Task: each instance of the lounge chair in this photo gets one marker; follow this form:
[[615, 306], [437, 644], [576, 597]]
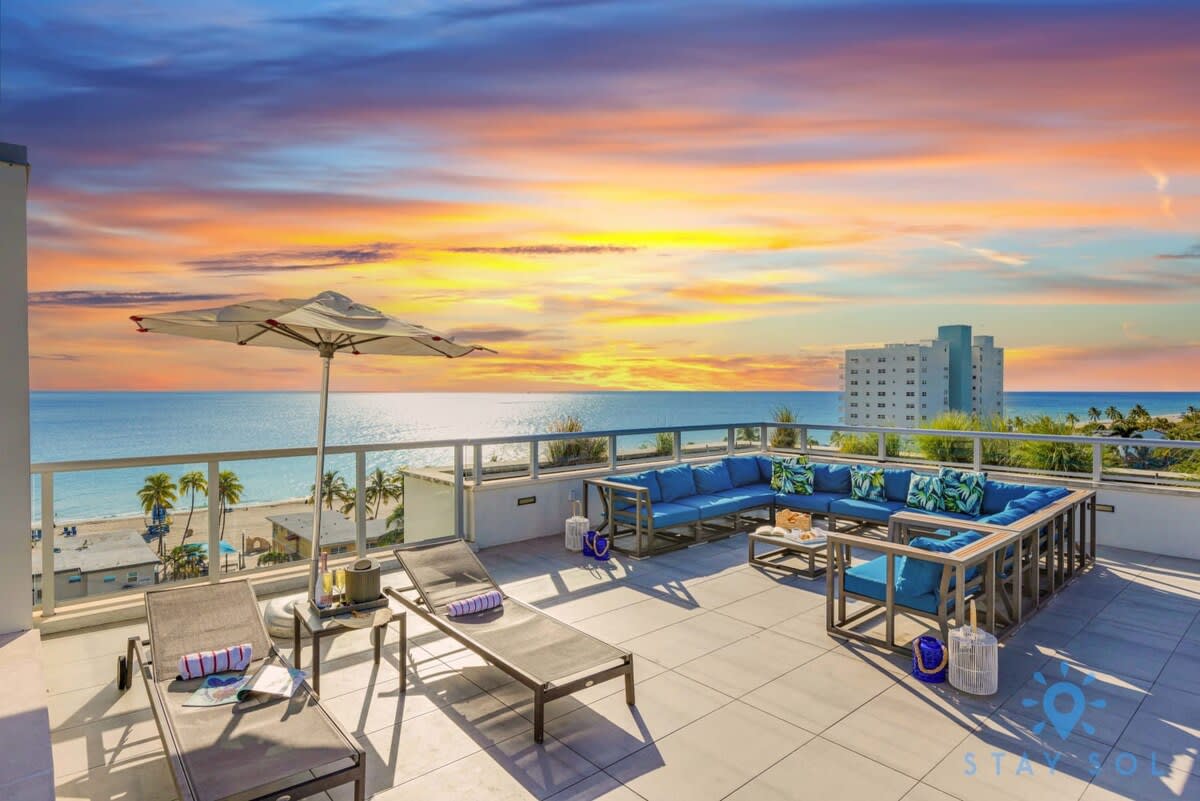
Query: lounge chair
[[284, 749], [546, 655]]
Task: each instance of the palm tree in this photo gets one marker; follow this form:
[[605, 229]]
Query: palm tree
[[1113, 414], [1072, 419], [158, 491], [1139, 412], [1094, 414], [189, 484], [349, 499], [229, 491], [384, 487], [333, 488]]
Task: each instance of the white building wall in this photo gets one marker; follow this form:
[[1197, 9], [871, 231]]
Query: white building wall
[[16, 581], [896, 385], [987, 378]]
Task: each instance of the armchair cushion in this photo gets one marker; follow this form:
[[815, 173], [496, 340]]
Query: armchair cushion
[[831, 478], [647, 479], [869, 579], [676, 482], [918, 576], [962, 490], [714, 477], [743, 470], [867, 483]]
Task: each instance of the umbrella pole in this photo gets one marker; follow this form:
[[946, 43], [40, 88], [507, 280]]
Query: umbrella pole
[[326, 352]]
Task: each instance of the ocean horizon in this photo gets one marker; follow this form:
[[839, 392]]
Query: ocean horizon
[[113, 424]]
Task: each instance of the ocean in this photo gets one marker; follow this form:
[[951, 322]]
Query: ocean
[[100, 425]]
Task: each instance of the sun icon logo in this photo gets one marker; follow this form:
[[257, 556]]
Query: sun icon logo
[[1064, 720]]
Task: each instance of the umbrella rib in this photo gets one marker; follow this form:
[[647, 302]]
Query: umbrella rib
[[262, 330], [282, 329]]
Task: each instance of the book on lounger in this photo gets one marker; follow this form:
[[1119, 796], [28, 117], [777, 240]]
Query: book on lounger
[[271, 681]]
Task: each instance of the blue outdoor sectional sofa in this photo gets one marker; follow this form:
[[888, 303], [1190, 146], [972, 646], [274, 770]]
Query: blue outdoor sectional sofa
[[1025, 541]]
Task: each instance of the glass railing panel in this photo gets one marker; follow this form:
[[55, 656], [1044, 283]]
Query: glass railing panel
[[747, 438], [506, 460], [706, 443], [636, 448], [581, 453]]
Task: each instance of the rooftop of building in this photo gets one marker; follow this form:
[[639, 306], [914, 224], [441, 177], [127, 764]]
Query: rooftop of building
[[336, 529], [96, 552]]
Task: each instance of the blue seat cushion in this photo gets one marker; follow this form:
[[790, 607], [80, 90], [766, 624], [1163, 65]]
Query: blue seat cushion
[[876, 511], [833, 478], [869, 579], [647, 479], [750, 495], [1004, 517], [714, 477], [711, 505], [743, 470], [817, 502], [895, 483], [936, 513], [918, 576], [676, 482], [997, 494], [665, 515]]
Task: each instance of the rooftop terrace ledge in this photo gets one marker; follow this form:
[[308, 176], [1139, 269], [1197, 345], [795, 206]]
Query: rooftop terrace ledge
[[1153, 519]]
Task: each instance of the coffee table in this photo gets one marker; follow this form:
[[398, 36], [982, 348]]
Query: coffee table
[[813, 554]]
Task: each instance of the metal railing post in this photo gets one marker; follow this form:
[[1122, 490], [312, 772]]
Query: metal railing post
[[533, 458], [216, 503], [804, 439], [360, 502], [881, 450], [47, 544], [1097, 462], [762, 437], [476, 464], [977, 453], [459, 491], [612, 451], [731, 441], [677, 445]]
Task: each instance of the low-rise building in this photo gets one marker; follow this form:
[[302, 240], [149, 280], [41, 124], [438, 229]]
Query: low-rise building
[[94, 564], [292, 534]]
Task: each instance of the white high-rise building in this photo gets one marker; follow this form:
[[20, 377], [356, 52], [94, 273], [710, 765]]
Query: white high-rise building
[[905, 385]]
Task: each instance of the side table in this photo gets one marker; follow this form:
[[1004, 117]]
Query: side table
[[812, 553], [321, 627]]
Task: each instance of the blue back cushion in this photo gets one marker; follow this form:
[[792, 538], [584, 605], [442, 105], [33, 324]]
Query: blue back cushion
[[647, 479], [1031, 502], [1005, 516], [676, 482], [743, 470], [831, 478], [917, 576], [712, 478], [765, 466], [895, 483], [1056, 493], [997, 494]]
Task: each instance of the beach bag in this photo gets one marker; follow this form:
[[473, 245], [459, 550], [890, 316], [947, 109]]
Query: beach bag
[[600, 547], [929, 659], [589, 543]]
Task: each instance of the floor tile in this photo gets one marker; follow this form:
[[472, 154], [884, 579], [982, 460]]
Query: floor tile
[[772, 606], [825, 770], [749, 663], [679, 642]]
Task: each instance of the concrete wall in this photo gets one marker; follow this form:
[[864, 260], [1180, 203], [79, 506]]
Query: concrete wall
[[494, 517], [16, 582], [1156, 521], [428, 506]]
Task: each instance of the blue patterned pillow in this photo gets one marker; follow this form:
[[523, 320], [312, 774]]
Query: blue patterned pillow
[[866, 483], [791, 477], [925, 492], [962, 491]]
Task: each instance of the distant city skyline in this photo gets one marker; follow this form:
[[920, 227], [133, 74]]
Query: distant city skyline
[[613, 195]]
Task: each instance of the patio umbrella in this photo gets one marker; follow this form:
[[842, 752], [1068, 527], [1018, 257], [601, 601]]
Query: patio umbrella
[[327, 324]]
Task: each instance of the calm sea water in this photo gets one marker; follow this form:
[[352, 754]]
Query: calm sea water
[[98, 425]]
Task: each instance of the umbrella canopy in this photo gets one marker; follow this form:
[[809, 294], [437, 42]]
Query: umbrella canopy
[[327, 324], [329, 319]]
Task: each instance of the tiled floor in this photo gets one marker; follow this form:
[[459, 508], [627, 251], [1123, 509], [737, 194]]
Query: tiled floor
[[741, 695]]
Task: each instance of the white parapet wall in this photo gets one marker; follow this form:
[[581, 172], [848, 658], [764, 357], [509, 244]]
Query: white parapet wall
[[1161, 521], [16, 581]]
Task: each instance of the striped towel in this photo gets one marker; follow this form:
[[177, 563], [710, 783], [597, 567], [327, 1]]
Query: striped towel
[[469, 606], [202, 663]]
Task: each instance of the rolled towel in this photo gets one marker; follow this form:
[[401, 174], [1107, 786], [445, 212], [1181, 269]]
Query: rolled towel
[[479, 603], [202, 663]]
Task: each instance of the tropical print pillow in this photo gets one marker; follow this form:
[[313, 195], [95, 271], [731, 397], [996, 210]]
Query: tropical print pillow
[[962, 491], [866, 483], [791, 477], [925, 492]]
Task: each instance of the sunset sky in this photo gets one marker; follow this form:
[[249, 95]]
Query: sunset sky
[[613, 195]]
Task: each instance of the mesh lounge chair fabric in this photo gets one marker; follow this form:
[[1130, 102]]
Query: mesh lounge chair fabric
[[546, 655], [221, 752]]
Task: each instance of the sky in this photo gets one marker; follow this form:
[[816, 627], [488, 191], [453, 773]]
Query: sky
[[613, 195]]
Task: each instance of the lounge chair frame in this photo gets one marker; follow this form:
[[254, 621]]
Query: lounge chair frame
[[355, 772], [543, 691]]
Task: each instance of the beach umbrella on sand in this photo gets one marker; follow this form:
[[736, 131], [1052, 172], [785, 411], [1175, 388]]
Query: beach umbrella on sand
[[327, 324]]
